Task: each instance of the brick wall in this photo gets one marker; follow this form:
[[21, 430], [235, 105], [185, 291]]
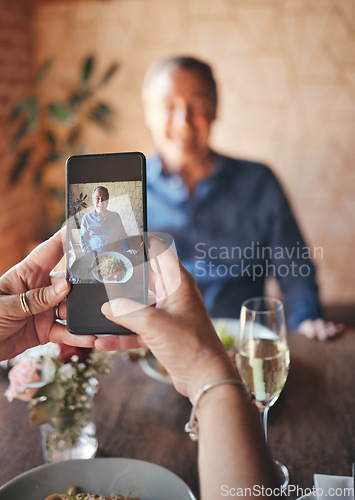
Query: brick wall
[[286, 85], [287, 96], [21, 217]]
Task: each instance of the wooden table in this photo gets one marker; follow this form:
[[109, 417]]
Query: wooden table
[[311, 427]]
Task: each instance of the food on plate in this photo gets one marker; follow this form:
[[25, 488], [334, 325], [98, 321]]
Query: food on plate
[[75, 493], [111, 268], [226, 338]]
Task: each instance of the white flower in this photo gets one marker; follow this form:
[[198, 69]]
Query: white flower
[[35, 353], [48, 370], [67, 370]]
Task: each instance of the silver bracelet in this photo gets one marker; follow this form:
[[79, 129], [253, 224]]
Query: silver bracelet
[[192, 425]]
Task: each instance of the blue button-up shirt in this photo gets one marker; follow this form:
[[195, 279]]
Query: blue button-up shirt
[[98, 233], [235, 230]]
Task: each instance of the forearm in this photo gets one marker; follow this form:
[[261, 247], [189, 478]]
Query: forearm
[[301, 303], [232, 448], [84, 242]]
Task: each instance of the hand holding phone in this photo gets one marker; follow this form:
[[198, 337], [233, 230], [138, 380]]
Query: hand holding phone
[[106, 229]]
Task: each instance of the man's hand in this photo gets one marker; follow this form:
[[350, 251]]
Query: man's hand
[[320, 329]]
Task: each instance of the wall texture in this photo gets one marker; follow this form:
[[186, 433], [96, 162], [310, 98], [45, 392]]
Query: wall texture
[[21, 214], [286, 71]]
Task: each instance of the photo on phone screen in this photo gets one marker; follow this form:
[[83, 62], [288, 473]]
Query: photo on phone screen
[[106, 227]]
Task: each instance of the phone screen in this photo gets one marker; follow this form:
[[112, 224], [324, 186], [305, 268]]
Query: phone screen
[[105, 244]]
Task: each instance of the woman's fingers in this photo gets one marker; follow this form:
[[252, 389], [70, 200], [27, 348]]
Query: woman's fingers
[[59, 334], [35, 301], [165, 278], [41, 299], [128, 313], [119, 342], [47, 254]]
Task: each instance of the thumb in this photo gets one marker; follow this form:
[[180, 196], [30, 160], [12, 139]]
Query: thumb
[[42, 299]]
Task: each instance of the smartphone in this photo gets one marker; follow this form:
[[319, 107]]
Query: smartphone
[[106, 249]]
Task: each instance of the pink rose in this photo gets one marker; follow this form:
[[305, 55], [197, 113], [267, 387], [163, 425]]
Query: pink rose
[[23, 373]]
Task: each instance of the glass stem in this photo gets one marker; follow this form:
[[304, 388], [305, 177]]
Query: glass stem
[[264, 414]]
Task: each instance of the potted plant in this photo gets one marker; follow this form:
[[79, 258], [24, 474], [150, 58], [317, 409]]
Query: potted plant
[[75, 207], [59, 125]]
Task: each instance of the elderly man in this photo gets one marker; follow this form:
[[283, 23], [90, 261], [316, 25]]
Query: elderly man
[[230, 219], [102, 229]]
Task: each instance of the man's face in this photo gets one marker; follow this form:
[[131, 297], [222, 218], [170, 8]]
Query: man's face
[[100, 200], [179, 111]]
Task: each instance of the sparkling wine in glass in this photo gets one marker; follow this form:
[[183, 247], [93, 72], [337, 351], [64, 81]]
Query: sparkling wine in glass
[[263, 356]]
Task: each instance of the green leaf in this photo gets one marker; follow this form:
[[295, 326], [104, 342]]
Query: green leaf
[[20, 165], [87, 69], [109, 73], [38, 178], [49, 135], [54, 156], [29, 107], [79, 97], [73, 136], [43, 71], [61, 111], [19, 134], [17, 110], [54, 391], [59, 195], [104, 110], [101, 114]]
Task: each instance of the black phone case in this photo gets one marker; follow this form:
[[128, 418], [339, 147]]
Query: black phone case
[[85, 299]]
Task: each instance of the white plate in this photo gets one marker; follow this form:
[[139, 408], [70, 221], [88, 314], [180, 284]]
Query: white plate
[[149, 364], [233, 328], [126, 262], [100, 475], [150, 367], [231, 325]]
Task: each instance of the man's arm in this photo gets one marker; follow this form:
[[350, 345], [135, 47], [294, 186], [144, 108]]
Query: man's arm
[[121, 234], [84, 235], [296, 272]]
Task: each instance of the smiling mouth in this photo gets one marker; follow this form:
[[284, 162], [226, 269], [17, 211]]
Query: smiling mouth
[[187, 145]]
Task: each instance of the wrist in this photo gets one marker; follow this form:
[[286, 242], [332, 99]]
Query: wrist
[[218, 368], [213, 396]]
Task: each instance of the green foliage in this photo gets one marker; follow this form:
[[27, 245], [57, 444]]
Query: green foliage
[[87, 69], [20, 164], [76, 206], [62, 123], [61, 111]]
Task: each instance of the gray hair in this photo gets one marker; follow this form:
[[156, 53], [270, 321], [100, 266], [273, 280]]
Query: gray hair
[[103, 189], [202, 68]]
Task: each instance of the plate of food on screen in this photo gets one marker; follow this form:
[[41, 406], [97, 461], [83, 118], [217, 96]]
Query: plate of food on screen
[[112, 267]]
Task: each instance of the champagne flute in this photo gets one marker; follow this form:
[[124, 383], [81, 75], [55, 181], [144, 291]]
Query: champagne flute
[[263, 356]]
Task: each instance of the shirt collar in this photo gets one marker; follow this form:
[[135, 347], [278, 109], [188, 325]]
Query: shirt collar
[[156, 167]]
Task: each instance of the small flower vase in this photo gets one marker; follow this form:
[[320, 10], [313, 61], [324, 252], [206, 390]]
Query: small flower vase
[[71, 434], [60, 445]]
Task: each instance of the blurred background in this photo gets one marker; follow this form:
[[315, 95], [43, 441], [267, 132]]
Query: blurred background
[[70, 80]]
